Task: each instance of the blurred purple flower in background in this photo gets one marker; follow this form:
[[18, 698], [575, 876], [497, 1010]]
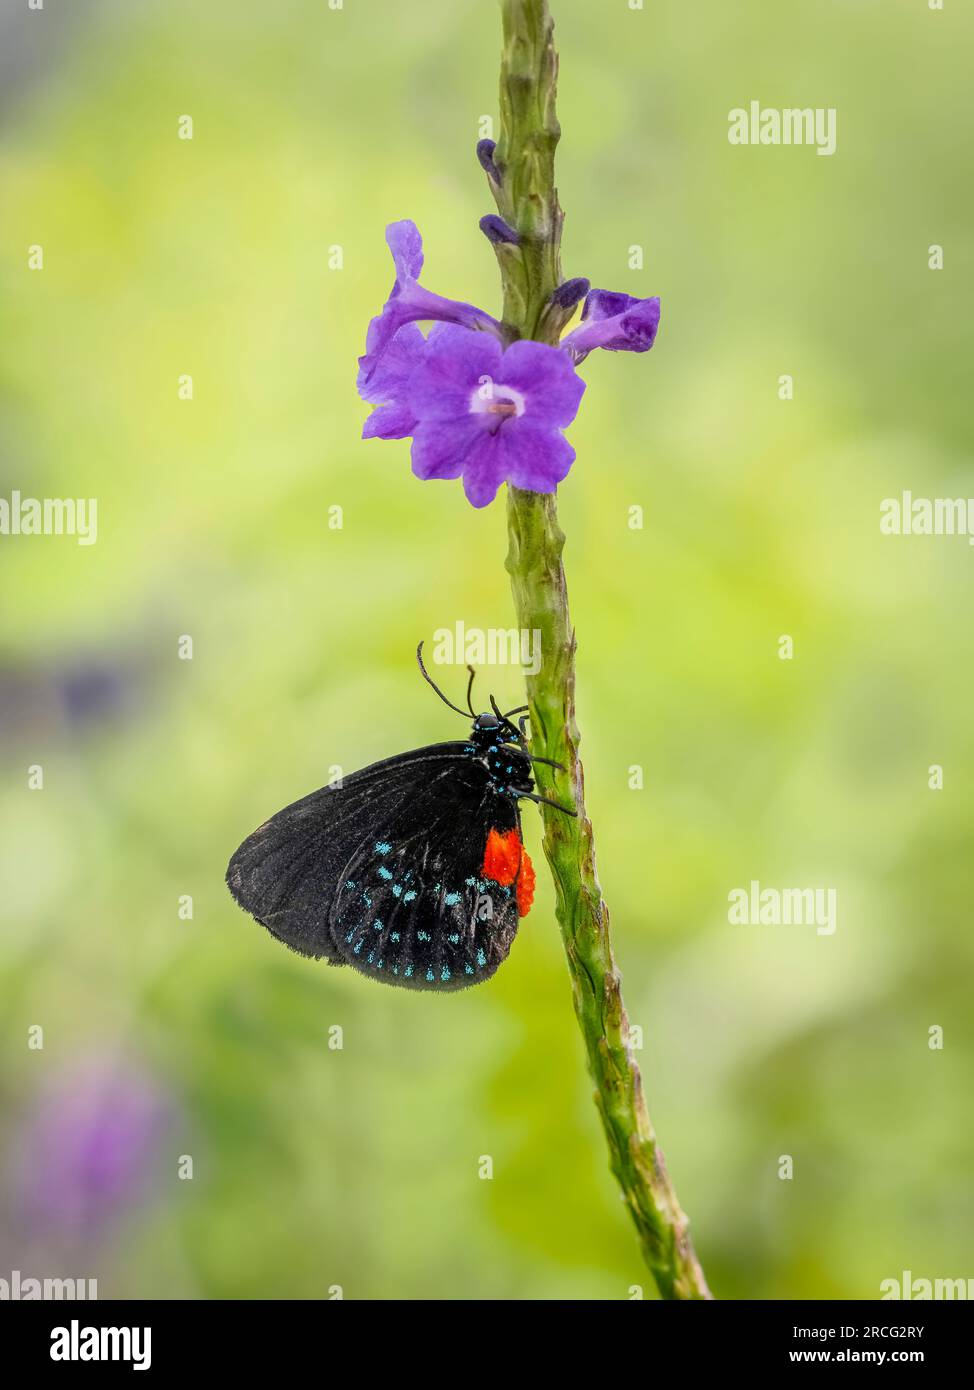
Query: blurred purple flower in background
[[72, 694], [90, 1146]]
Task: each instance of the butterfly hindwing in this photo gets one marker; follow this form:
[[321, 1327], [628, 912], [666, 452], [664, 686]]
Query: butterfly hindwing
[[416, 907], [387, 871]]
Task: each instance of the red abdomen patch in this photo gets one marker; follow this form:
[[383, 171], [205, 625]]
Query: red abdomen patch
[[506, 859], [525, 885]]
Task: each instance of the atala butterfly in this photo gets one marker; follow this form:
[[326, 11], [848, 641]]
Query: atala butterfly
[[412, 871]]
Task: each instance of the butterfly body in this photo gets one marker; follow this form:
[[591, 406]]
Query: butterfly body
[[412, 871]]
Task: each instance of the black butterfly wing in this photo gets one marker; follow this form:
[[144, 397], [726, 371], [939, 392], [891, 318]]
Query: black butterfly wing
[[286, 873], [385, 872], [415, 907]]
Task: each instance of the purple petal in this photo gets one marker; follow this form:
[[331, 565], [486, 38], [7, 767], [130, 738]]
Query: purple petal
[[486, 468], [441, 448], [535, 459], [615, 321], [406, 245], [409, 303], [389, 422], [607, 304], [455, 363], [539, 459], [413, 304], [547, 379], [388, 381]]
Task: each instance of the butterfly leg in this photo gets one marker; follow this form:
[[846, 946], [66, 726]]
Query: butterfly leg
[[544, 800], [550, 762]]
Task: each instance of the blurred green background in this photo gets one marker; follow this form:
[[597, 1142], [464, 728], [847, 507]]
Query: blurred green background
[[314, 127]]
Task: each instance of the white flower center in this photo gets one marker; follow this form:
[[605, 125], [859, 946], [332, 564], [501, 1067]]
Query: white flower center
[[501, 402]]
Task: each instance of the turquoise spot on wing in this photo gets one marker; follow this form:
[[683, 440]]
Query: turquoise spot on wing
[[454, 938], [422, 936], [429, 974], [359, 944], [396, 891], [381, 847], [451, 899], [394, 936], [481, 958], [408, 897], [444, 974], [408, 970], [468, 969], [384, 872]]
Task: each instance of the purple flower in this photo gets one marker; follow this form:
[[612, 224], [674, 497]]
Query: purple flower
[[616, 321], [410, 303], [487, 415], [89, 1148], [475, 410]]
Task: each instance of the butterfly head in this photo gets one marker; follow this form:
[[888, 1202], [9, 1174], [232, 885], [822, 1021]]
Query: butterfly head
[[489, 730], [494, 738]]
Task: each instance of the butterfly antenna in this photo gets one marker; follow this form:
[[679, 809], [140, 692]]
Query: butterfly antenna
[[519, 710], [430, 681], [470, 691]]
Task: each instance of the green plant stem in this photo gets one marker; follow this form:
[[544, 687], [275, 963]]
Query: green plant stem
[[528, 201]]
